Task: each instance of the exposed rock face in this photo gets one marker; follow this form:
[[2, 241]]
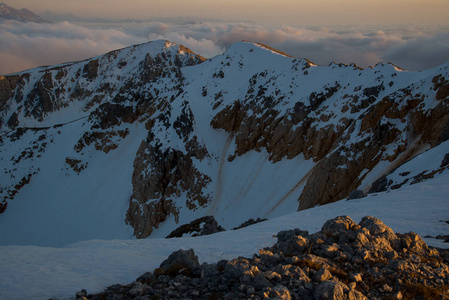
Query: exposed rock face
[[340, 160], [250, 222], [345, 260], [40, 100], [202, 226], [159, 176], [7, 86]]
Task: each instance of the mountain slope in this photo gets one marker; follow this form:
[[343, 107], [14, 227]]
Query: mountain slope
[[156, 136]]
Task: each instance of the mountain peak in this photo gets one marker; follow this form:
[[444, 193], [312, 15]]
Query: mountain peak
[[256, 52], [22, 15]]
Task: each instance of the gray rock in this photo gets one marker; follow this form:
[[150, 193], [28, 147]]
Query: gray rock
[[375, 226], [181, 261], [285, 235], [356, 194], [334, 290], [356, 277], [147, 278], [209, 270], [338, 226], [292, 271], [322, 275], [250, 222], [138, 289], [445, 161], [238, 268], [280, 292], [295, 245], [380, 185], [201, 226], [81, 294], [356, 295]]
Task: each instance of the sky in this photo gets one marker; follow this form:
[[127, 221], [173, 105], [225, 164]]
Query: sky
[[305, 12], [413, 34]]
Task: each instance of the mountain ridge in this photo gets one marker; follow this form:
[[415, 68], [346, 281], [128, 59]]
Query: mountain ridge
[[247, 134], [21, 15]]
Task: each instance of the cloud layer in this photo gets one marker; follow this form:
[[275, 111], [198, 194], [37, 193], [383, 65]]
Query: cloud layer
[[27, 45]]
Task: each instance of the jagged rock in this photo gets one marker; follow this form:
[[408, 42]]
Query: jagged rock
[[81, 294], [110, 114], [413, 241], [330, 290], [137, 290], [146, 278], [209, 270], [375, 226], [7, 86], [445, 161], [380, 185], [356, 194], [280, 292], [239, 268], [322, 275], [269, 258], [159, 176], [339, 225], [250, 222], [202, 226], [182, 261], [90, 70], [292, 271], [356, 277], [294, 246]]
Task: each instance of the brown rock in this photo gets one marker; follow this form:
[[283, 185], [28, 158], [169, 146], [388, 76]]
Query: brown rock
[[339, 225], [334, 290], [322, 275]]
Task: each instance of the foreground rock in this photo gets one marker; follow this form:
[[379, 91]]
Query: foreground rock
[[345, 260]]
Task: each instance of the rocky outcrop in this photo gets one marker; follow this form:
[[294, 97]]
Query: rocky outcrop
[[7, 86], [340, 160], [203, 226], [250, 222], [160, 175], [344, 260]]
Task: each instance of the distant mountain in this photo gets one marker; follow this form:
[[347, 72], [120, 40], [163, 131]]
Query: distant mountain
[[22, 15], [155, 136], [56, 17], [59, 17]]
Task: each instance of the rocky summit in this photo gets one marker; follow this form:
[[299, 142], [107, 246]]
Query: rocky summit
[[344, 260], [148, 138]]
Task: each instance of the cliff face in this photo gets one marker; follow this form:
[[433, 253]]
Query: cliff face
[[251, 133]]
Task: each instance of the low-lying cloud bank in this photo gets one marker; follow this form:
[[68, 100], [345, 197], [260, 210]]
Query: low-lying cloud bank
[[27, 45]]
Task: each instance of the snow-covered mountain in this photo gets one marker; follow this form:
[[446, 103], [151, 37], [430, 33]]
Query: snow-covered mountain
[[21, 15], [142, 140]]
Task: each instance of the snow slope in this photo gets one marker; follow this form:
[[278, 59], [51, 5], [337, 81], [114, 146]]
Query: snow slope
[[86, 145], [30, 272]]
